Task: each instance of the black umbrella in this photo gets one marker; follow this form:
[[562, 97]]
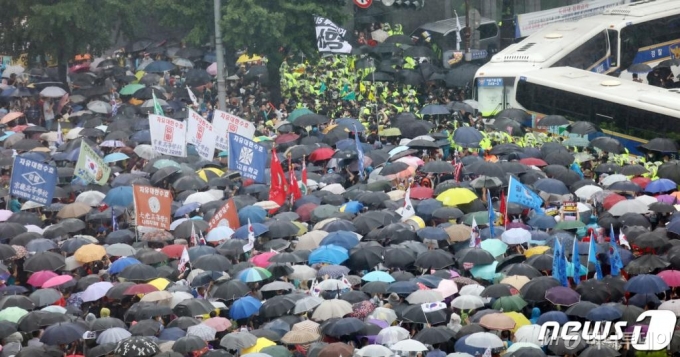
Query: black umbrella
[[193, 307], [375, 287], [281, 229], [607, 168], [9, 230], [188, 344], [197, 77], [583, 128], [461, 76], [62, 333], [434, 335], [185, 229], [139, 272], [662, 145], [474, 256], [311, 120], [563, 158], [515, 114], [44, 261], [499, 290], [415, 314], [534, 290], [399, 258], [212, 262], [104, 323], [646, 264], [607, 144], [137, 346], [508, 125], [633, 170], [434, 259], [276, 306], [552, 120], [438, 167], [365, 259], [150, 256], [17, 301], [343, 327]]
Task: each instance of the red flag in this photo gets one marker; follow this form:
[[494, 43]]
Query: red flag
[[304, 172], [504, 209], [278, 189], [294, 187]]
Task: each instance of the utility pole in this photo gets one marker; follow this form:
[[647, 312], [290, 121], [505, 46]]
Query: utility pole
[[219, 53], [468, 32]]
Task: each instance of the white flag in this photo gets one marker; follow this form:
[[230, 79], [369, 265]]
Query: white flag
[[313, 290], [183, 261], [623, 241], [487, 353], [330, 37], [407, 211], [346, 281], [60, 134], [192, 96], [458, 39], [475, 239], [433, 306], [251, 238]]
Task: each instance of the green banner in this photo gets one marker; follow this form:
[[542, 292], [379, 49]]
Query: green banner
[[91, 167]]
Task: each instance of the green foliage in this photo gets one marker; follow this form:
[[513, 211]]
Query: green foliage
[[196, 15]]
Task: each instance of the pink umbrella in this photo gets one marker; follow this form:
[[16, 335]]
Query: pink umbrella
[[412, 161], [5, 214], [218, 323], [39, 278], [212, 69], [262, 260], [57, 280], [671, 277]]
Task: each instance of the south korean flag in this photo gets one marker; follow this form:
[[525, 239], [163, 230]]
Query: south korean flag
[[330, 37]]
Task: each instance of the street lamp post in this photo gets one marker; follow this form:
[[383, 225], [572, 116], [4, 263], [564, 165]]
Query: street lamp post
[[219, 53]]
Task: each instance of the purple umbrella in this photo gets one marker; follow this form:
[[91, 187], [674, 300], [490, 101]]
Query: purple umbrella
[[671, 200], [561, 295]]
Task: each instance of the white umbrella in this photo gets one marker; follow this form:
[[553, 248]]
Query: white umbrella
[[587, 191], [612, 179], [409, 346], [91, 198], [374, 351], [516, 236], [310, 240], [335, 188], [99, 106], [646, 200], [113, 335], [71, 264], [73, 134], [96, 291], [459, 354], [484, 340], [161, 297], [10, 70], [383, 314], [199, 197], [52, 92], [303, 272], [307, 304], [146, 152], [179, 296], [34, 228], [182, 62], [332, 284], [177, 222], [671, 305], [628, 206], [530, 334], [467, 302], [205, 332], [391, 335], [30, 205], [517, 345], [54, 308], [472, 289], [120, 250], [424, 296], [277, 285], [332, 308]]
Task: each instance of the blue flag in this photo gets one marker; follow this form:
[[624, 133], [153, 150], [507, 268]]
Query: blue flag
[[576, 168], [592, 258], [360, 150], [518, 193], [247, 157], [559, 270], [492, 215], [33, 180], [576, 262], [614, 257]]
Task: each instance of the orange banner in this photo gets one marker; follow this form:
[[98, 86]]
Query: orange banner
[[152, 206], [226, 216]]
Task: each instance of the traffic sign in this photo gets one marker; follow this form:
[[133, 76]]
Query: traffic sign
[[364, 4]]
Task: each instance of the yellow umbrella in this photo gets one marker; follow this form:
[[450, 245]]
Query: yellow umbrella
[[520, 320], [160, 283], [536, 250], [139, 74], [245, 58], [209, 172], [259, 345], [456, 196], [302, 228], [516, 281], [89, 253]]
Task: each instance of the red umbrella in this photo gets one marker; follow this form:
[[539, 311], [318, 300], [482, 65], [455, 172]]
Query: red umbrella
[[671, 277], [140, 289], [56, 281], [173, 251], [305, 211], [641, 181], [286, 138], [321, 154], [532, 161], [611, 200], [262, 260], [421, 193]]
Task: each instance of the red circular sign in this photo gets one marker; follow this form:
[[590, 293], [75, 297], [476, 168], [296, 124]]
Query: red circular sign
[[364, 4]]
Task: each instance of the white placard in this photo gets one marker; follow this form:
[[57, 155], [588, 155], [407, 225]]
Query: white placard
[[168, 136], [225, 123], [202, 135]]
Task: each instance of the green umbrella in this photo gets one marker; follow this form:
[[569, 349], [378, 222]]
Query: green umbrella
[[323, 212], [482, 218], [276, 351], [165, 163], [298, 113], [509, 303], [130, 89], [494, 246], [12, 314], [565, 225], [486, 272], [390, 132]]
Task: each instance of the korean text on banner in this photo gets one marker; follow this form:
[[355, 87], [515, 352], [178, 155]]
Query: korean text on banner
[[248, 157], [90, 166], [152, 206], [33, 180], [168, 136], [224, 123], [227, 215], [202, 135]]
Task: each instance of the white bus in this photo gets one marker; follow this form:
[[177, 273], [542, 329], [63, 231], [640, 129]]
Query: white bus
[[630, 111], [639, 32]]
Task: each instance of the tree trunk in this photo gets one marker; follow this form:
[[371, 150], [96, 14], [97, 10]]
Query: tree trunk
[[275, 60], [62, 66]]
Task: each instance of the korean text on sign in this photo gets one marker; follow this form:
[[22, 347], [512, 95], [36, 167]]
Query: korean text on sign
[[168, 136], [225, 123], [152, 206], [33, 180], [202, 135], [247, 157]]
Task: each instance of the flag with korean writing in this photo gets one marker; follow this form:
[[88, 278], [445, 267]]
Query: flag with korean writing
[[330, 37], [152, 206], [168, 136], [247, 157], [90, 166], [33, 180], [202, 135], [225, 123]]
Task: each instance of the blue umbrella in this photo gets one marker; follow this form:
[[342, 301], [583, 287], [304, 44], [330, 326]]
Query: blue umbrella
[[242, 232], [8, 91], [119, 196], [333, 271], [40, 245], [604, 313], [542, 222], [433, 233], [331, 254], [486, 272], [661, 185], [378, 275], [244, 308], [485, 233], [345, 239], [674, 225], [553, 316], [346, 144], [115, 157], [159, 67], [353, 207], [350, 124], [120, 264], [646, 283], [73, 155], [171, 334], [255, 214], [402, 287], [641, 300], [425, 208], [339, 225], [186, 209], [431, 281], [397, 150], [552, 186], [467, 137], [462, 347]]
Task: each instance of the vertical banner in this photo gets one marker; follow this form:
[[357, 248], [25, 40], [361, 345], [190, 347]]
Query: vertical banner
[[225, 216], [225, 123], [90, 166], [248, 157], [33, 180], [152, 206], [202, 135], [168, 136]]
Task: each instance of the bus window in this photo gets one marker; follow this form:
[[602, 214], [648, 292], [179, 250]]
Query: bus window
[[586, 55], [614, 46], [487, 30], [648, 34]]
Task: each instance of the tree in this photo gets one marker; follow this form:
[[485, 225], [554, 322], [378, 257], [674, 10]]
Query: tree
[[64, 28]]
